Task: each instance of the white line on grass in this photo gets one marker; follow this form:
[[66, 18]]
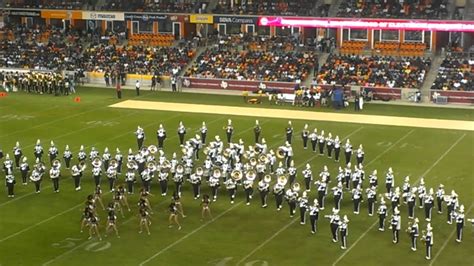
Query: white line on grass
[[447, 240], [424, 174], [290, 223], [188, 235], [389, 148]]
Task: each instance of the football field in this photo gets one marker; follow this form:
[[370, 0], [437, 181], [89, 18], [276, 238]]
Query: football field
[[44, 228]]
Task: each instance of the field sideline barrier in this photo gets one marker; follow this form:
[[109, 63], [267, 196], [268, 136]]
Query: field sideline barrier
[[455, 96], [145, 80]]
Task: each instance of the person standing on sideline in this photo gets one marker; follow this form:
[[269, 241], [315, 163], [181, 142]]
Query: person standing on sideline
[[173, 84], [137, 87], [356, 103], [118, 89], [289, 132]]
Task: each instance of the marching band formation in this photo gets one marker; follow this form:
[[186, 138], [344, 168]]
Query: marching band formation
[[233, 166]]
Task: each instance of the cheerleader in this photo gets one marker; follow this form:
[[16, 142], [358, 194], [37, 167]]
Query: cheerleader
[[145, 220], [178, 204], [98, 196], [117, 204], [206, 210], [85, 217], [24, 169], [94, 226], [10, 182], [111, 223], [54, 174], [173, 218], [144, 196], [130, 180], [123, 196], [231, 187]]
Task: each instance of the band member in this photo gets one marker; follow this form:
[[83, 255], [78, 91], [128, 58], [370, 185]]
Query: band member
[[178, 204], [98, 196], [395, 225], [173, 218], [322, 192], [7, 164], [67, 156], [76, 172], [181, 132], [314, 215], [52, 152], [337, 148], [161, 136], [140, 133], [145, 220], [93, 154], [329, 144], [112, 176], [338, 195], [356, 198], [421, 192], [229, 130], [206, 210], [321, 142], [278, 191], [325, 175], [347, 175], [38, 150], [440, 198], [214, 183], [106, 158], [264, 188], [389, 180], [196, 183], [348, 151], [314, 139], [96, 173], [414, 231], [203, 131], [371, 200], [394, 197], [130, 180], [304, 136], [308, 177], [289, 132], [373, 180], [146, 179], [382, 212], [54, 174], [459, 218], [291, 196], [344, 231], [119, 158], [248, 187], [111, 223], [411, 202], [257, 130], [428, 204], [360, 155], [303, 205], [94, 226], [428, 237], [17, 153], [334, 221], [231, 187], [81, 156], [451, 205], [10, 182], [405, 188], [36, 177], [24, 169]]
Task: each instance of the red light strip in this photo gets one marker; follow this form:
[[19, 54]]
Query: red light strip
[[428, 25]]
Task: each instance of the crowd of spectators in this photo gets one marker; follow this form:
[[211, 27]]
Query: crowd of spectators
[[268, 7], [52, 4], [455, 73], [169, 6], [420, 9], [253, 65], [374, 71], [137, 59]]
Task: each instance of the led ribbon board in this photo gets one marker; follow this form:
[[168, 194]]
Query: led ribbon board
[[376, 24]]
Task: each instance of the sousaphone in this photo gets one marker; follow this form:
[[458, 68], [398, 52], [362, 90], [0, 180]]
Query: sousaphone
[[152, 149], [57, 163], [151, 165], [199, 171], [132, 165], [267, 178], [179, 169], [251, 175], [237, 175], [296, 187], [263, 159], [97, 162], [281, 151], [282, 180]]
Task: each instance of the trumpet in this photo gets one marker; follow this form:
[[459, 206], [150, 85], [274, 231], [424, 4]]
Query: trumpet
[[236, 175], [296, 187], [152, 149], [253, 161], [281, 152], [282, 180], [250, 175], [56, 163], [151, 165], [97, 162], [132, 165]]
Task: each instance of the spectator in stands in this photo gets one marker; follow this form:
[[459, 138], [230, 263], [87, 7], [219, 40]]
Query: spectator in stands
[[455, 73]]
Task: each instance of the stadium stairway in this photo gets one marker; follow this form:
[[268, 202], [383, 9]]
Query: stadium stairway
[[430, 78]]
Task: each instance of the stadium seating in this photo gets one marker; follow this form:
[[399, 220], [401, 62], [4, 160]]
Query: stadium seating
[[455, 73], [169, 6], [149, 39], [49, 4], [268, 7]]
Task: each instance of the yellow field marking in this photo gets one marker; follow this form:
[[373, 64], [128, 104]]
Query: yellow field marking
[[297, 114]]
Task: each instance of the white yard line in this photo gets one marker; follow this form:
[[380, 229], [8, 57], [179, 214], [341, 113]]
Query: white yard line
[[390, 148], [448, 239], [188, 235], [292, 221], [424, 174], [68, 252]]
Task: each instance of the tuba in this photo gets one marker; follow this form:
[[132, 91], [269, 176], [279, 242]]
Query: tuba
[[227, 152], [253, 161], [206, 150], [132, 165], [56, 163], [281, 152], [250, 175], [267, 178], [179, 169], [217, 172], [151, 165], [184, 150], [82, 165], [282, 180], [199, 171], [113, 163], [166, 165], [263, 158], [257, 149], [152, 149], [236, 175], [296, 187], [97, 162]]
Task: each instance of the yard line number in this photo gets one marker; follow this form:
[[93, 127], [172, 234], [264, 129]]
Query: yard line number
[[226, 261], [70, 242]]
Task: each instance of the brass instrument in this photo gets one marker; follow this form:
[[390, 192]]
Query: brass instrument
[[263, 158], [144, 149], [166, 164], [296, 187], [257, 149], [151, 165], [206, 150], [97, 162], [184, 150], [132, 165], [179, 169], [57, 163], [267, 178], [82, 165], [237, 175], [113, 163], [253, 161], [251, 175], [281, 151], [152, 149], [199, 171], [282, 180], [226, 152], [217, 173]]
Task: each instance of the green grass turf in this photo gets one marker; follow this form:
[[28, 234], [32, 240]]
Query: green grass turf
[[36, 229]]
